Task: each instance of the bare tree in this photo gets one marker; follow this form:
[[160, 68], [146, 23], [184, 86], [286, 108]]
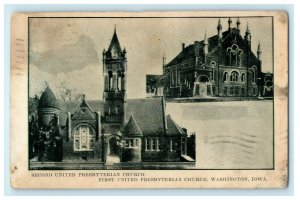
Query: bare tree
[[68, 94]]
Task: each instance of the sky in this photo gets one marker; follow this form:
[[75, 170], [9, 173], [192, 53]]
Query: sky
[[70, 50]]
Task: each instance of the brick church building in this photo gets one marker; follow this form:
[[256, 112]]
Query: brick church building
[[223, 65], [116, 129]]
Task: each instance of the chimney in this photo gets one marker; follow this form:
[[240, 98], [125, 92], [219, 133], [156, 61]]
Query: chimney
[[183, 46]]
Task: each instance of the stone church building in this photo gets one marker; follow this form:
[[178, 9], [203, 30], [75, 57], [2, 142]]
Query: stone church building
[[223, 65], [116, 129]]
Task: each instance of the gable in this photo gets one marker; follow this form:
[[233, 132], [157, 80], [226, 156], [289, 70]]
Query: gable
[[173, 128], [132, 128], [83, 113]]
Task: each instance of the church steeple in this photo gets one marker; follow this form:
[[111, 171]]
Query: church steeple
[[115, 75], [115, 47]]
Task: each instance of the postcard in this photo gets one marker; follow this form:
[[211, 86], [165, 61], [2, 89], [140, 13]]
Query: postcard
[[189, 99]]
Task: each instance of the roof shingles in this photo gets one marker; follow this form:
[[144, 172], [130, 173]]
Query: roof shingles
[[143, 116]]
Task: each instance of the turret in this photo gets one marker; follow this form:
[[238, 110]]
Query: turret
[[48, 108], [197, 52], [205, 47], [259, 52], [238, 23], [219, 28], [247, 36], [104, 54], [164, 60], [259, 58], [229, 23], [124, 52], [259, 66]]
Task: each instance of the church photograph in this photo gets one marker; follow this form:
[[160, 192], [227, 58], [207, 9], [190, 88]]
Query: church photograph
[[157, 93], [109, 131], [225, 66]]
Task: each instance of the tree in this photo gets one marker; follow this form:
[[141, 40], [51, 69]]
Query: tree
[[33, 103], [68, 94], [33, 134]]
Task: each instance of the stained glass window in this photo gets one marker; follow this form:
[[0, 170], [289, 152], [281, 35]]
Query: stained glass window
[[84, 139]]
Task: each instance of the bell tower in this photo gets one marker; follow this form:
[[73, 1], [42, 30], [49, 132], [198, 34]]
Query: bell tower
[[115, 74]]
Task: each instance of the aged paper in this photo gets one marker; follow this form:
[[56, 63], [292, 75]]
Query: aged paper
[[149, 100]]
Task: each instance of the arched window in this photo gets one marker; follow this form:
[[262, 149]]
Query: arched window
[[119, 81], [118, 109], [203, 79], [178, 77], [243, 77], [234, 56], [173, 74], [254, 73], [228, 55], [109, 110], [234, 76], [225, 76], [110, 80], [213, 65], [114, 52], [239, 57], [84, 138]]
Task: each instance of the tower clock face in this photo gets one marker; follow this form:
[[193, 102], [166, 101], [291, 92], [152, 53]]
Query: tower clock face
[[114, 52]]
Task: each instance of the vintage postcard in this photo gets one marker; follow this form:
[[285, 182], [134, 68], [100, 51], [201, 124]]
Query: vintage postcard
[[149, 100]]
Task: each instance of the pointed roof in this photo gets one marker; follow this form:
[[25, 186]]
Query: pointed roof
[[205, 42], [219, 24], [148, 113], [115, 42], [247, 29], [84, 111], [258, 48], [174, 128], [229, 22], [48, 99], [83, 103], [132, 128]]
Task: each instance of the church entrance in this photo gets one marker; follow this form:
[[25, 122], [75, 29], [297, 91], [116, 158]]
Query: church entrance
[[113, 150], [202, 87]]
